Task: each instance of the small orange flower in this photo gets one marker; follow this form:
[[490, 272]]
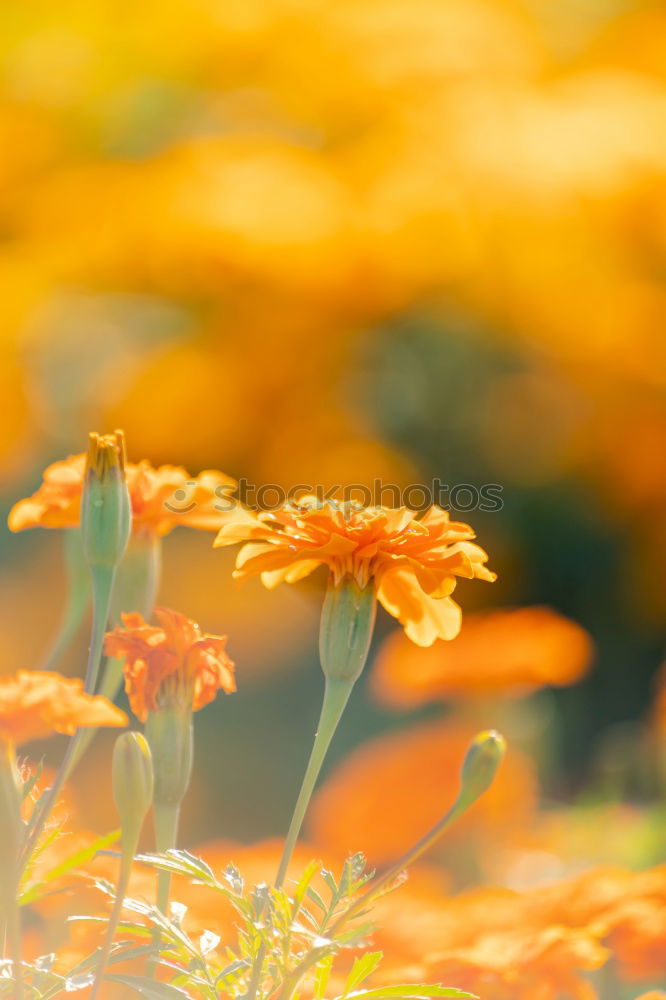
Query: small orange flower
[[161, 498], [413, 561], [173, 662], [498, 652], [34, 705]]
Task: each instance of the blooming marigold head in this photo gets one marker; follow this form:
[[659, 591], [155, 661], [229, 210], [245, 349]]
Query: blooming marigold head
[[37, 704], [173, 663], [503, 652], [412, 561], [161, 498]]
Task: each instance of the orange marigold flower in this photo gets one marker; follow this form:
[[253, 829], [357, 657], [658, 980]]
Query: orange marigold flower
[[173, 662], [161, 498], [408, 778], [524, 964], [498, 652], [413, 561], [37, 704]]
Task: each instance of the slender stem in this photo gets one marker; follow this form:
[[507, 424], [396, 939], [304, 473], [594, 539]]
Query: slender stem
[[374, 889], [14, 940], [121, 892], [336, 696], [11, 834], [166, 817], [102, 586], [135, 589]]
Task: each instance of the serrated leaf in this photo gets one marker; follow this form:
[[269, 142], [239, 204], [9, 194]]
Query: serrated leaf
[[239, 966], [303, 883], [150, 988], [361, 969], [74, 861], [180, 862], [410, 991], [316, 898], [322, 976]]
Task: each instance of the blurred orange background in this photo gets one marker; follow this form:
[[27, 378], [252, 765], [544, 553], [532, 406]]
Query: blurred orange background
[[334, 242]]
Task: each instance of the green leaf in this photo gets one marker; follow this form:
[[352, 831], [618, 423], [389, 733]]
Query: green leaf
[[316, 898], [150, 988], [304, 882], [361, 969], [182, 863], [35, 891], [322, 976], [410, 991]]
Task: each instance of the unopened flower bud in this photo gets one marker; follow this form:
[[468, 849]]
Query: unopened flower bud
[[132, 784], [482, 760], [347, 624], [105, 502]]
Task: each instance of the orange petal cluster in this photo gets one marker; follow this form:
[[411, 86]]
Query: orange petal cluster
[[37, 704], [505, 652], [162, 498], [393, 788], [412, 560], [174, 662]]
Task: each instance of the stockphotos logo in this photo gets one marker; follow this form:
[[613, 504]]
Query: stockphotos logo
[[461, 497]]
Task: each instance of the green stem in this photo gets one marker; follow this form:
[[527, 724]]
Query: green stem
[[78, 596], [14, 940], [166, 817], [11, 834], [336, 696], [135, 589], [114, 919], [102, 586]]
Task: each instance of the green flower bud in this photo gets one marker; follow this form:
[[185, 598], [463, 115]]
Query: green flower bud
[[169, 732], [347, 624], [482, 760], [105, 503], [132, 778]]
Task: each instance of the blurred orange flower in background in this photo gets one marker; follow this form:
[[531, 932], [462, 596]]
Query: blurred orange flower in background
[[389, 791], [174, 660], [506, 652], [36, 705], [161, 498], [412, 561]]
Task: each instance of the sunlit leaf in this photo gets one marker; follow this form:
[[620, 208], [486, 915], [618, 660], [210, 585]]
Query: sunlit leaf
[[149, 988]]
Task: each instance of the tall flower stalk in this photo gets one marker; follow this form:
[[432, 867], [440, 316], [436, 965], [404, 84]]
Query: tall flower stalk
[[105, 531], [345, 634]]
